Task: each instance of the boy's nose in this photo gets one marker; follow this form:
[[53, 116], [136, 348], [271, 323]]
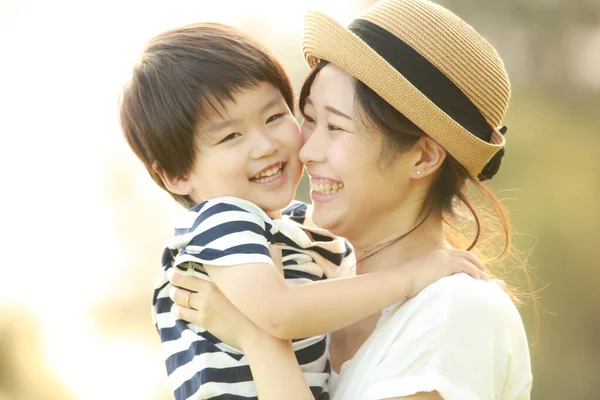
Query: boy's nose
[[264, 146]]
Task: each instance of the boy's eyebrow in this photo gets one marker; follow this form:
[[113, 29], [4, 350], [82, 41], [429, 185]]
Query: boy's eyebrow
[[273, 102], [218, 125], [331, 110]]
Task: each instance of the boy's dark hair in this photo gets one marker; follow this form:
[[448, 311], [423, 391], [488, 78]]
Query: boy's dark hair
[[181, 74]]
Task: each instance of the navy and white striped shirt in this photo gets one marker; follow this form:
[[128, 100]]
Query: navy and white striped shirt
[[231, 231]]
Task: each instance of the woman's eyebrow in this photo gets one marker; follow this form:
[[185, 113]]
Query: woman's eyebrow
[[337, 112], [331, 109]]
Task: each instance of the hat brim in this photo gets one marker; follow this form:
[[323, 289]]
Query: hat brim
[[326, 39]]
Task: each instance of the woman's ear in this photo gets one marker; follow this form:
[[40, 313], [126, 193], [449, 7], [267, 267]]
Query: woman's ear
[[175, 184], [428, 159]]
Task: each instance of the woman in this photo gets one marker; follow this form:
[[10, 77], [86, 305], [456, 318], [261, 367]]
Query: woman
[[402, 108]]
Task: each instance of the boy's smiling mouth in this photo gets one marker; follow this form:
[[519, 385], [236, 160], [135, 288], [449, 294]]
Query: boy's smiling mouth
[[269, 174]]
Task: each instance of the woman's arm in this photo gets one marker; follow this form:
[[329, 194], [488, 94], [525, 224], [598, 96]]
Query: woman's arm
[[272, 361], [261, 293], [274, 368]]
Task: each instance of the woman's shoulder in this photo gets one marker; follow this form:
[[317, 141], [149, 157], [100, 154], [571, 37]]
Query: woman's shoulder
[[460, 299], [462, 289], [460, 335]]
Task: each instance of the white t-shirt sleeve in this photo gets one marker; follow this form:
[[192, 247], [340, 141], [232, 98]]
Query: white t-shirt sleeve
[[466, 343]]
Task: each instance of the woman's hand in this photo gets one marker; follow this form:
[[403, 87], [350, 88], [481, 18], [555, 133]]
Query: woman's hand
[[200, 302], [443, 262]]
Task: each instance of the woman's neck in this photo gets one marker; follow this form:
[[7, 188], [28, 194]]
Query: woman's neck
[[386, 252]]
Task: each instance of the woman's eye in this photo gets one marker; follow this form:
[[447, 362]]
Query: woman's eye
[[308, 119], [274, 117], [231, 136], [333, 128]]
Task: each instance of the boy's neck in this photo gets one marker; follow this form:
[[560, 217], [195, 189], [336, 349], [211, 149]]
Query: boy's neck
[[274, 214]]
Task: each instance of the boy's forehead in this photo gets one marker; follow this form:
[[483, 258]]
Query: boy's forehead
[[214, 112]]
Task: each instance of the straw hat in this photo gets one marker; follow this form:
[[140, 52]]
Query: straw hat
[[390, 46]]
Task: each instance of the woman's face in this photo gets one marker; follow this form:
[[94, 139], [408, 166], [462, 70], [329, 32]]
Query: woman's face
[[354, 194]]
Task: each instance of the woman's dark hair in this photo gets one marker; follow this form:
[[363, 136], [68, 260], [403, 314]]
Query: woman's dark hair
[[449, 187]]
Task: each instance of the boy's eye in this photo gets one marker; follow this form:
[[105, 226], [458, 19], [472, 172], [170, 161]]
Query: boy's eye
[[231, 136], [274, 117]]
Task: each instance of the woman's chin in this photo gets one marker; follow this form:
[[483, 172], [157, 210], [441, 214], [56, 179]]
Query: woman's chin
[[327, 219]]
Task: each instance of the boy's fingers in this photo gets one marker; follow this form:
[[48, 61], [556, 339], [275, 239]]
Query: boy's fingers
[[471, 258], [473, 270]]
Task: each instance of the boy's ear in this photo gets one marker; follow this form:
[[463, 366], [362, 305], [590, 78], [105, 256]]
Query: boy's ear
[[430, 156], [178, 185]]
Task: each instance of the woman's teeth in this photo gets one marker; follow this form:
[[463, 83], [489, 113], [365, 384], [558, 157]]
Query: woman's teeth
[[326, 188], [269, 174]]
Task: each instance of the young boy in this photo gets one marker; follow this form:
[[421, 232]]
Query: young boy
[[209, 111]]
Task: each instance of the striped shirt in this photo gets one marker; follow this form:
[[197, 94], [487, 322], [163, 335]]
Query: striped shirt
[[231, 231]]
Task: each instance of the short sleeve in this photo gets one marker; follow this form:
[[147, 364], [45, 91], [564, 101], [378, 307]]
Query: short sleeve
[[222, 232], [336, 256], [466, 341]]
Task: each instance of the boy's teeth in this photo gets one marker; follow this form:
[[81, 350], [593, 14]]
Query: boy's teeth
[[326, 188], [268, 172]]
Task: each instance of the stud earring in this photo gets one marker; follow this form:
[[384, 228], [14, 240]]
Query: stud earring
[[418, 172]]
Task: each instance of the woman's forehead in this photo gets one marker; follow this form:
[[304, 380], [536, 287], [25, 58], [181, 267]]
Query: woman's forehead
[[332, 84]]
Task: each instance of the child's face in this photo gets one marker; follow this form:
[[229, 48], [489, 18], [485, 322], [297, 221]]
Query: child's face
[[249, 151]]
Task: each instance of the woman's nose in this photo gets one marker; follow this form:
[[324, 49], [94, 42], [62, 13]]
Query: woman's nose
[[313, 148]]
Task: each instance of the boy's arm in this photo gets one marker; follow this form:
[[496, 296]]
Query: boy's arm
[[261, 293]]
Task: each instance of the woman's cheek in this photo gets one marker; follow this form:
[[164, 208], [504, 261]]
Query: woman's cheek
[[345, 161], [297, 137], [305, 132]]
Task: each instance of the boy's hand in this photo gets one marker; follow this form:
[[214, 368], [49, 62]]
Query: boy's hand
[[444, 262]]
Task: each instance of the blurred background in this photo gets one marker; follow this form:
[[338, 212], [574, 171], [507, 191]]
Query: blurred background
[[83, 224]]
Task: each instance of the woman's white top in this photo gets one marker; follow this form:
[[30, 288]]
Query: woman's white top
[[461, 337]]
